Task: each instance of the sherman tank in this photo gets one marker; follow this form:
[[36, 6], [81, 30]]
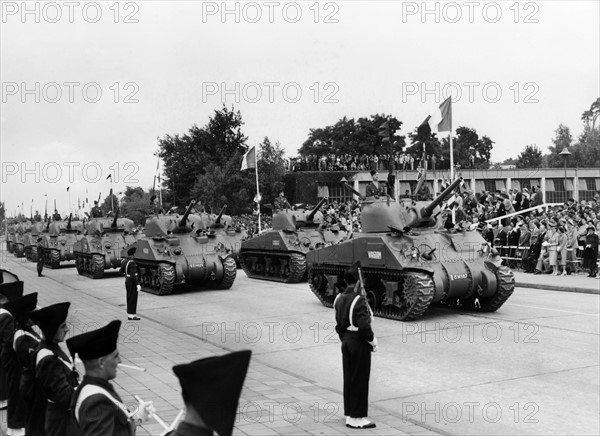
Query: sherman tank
[[220, 227], [59, 242], [101, 248], [409, 261], [30, 240], [22, 229], [10, 237], [280, 253], [184, 254]]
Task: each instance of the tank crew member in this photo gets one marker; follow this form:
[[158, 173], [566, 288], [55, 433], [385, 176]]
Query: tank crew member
[[281, 202], [353, 325], [25, 342], [211, 389], [97, 408], [54, 370], [132, 286], [15, 408], [96, 211], [40, 257], [37, 217], [590, 251], [56, 216], [154, 206], [375, 189]]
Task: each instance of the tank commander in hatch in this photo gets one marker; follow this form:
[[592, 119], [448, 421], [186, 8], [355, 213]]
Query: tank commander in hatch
[[281, 202], [375, 189]]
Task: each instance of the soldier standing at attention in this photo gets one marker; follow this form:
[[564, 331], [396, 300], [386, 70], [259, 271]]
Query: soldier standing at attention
[[375, 189], [40, 257], [97, 408], [56, 216], [281, 202], [353, 325], [132, 286]]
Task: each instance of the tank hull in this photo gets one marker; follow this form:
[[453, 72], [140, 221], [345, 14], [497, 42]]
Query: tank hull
[[95, 254], [278, 255], [59, 248], [404, 273]]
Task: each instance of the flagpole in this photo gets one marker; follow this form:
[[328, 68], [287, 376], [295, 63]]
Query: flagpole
[[257, 191], [112, 209]]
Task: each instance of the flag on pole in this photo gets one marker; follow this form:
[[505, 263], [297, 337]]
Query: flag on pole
[[424, 130], [109, 177], [384, 130], [86, 196], [257, 198], [445, 125], [249, 159], [68, 188]]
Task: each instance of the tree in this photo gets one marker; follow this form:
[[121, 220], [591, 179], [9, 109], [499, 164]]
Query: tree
[[531, 157], [135, 204], [470, 151], [185, 157], [592, 114], [562, 139], [106, 204], [271, 171]]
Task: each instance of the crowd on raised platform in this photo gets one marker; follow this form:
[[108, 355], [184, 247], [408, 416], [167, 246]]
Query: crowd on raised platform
[[363, 162]]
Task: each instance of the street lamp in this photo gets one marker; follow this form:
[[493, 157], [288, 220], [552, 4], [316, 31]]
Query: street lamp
[[565, 153]]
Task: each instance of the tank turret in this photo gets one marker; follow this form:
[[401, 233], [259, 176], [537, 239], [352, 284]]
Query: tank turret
[[183, 228], [218, 218], [311, 215]]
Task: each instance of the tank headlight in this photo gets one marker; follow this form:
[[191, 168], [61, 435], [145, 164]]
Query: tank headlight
[[414, 253], [107, 245], [177, 251], [306, 243], [63, 242]]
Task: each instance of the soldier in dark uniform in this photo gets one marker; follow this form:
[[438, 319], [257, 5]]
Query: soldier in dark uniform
[[281, 202], [375, 189], [353, 325], [590, 251], [56, 216], [25, 342], [211, 389], [15, 408], [37, 217], [97, 408], [54, 370], [40, 257], [96, 211], [132, 286]]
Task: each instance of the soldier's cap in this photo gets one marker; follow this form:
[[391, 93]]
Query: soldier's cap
[[20, 307], [96, 343], [12, 290], [373, 172], [351, 274], [591, 228], [49, 318], [571, 199], [213, 386], [131, 251], [39, 239], [95, 201]]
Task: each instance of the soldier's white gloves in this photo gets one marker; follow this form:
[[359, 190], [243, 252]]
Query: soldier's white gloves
[[374, 343], [139, 288], [144, 410]]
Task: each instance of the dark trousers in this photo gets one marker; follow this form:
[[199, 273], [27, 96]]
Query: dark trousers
[[356, 359], [15, 412], [3, 384], [40, 264], [132, 296]]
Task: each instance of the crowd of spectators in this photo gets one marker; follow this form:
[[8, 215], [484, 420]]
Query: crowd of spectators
[[363, 162]]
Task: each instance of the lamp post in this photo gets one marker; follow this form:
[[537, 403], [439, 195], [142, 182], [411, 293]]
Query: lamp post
[[565, 153]]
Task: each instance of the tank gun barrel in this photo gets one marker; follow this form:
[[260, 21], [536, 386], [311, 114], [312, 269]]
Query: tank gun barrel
[[183, 221], [428, 210], [69, 221], [218, 219], [114, 223], [354, 191], [312, 213]]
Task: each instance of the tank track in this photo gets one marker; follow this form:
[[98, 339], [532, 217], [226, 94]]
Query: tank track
[[10, 246], [96, 265], [31, 254], [229, 273], [157, 278], [54, 259], [166, 279], [420, 285], [19, 250], [296, 262], [506, 286]]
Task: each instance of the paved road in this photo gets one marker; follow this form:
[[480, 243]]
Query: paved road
[[530, 368]]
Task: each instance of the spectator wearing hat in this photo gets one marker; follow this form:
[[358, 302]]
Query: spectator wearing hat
[[54, 369], [374, 188], [525, 200], [353, 325], [25, 342], [132, 286], [562, 249], [211, 389], [40, 257], [15, 414], [590, 251], [552, 238], [97, 408]]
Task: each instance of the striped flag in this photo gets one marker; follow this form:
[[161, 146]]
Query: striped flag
[[445, 125], [249, 159]]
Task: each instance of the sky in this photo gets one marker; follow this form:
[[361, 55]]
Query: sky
[[88, 87]]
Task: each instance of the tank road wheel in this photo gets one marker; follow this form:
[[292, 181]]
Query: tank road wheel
[[19, 250], [79, 265], [97, 266], [318, 285], [33, 254], [416, 296], [166, 279], [506, 286], [54, 259], [229, 273], [297, 265]]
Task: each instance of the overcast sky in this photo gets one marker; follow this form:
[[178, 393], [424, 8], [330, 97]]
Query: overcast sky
[[515, 70]]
